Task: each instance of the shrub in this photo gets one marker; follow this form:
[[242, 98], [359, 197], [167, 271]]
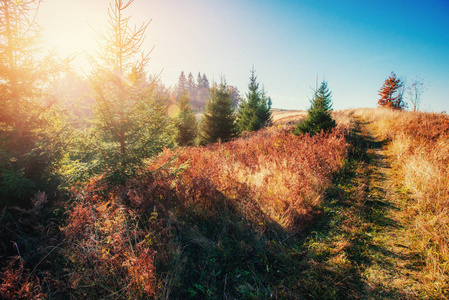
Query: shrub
[[16, 282]]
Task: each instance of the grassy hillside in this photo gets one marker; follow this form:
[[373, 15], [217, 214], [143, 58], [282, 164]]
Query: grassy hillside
[[418, 146], [359, 213], [287, 117], [218, 217]]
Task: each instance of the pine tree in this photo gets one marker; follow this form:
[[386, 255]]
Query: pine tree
[[202, 93], [185, 122], [264, 112], [254, 111], [32, 131], [391, 93], [192, 89], [247, 119], [319, 114], [191, 86], [182, 83], [130, 120], [218, 121], [199, 81], [235, 96], [205, 82]]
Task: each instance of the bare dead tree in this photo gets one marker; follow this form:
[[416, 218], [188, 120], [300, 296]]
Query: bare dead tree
[[414, 92]]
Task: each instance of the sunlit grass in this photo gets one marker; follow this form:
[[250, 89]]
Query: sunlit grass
[[419, 147], [219, 214], [265, 215]]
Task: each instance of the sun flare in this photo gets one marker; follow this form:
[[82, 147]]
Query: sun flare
[[69, 29]]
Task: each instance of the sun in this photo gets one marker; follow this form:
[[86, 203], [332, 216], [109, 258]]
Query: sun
[[71, 27], [68, 27]]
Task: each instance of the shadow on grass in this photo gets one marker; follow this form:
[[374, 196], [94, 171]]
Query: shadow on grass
[[341, 246], [224, 254]]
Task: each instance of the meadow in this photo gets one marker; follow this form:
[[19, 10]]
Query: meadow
[[209, 215], [266, 215], [196, 222], [114, 185]]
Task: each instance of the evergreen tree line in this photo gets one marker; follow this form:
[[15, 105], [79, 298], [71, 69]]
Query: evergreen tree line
[[47, 143], [198, 91], [222, 119]]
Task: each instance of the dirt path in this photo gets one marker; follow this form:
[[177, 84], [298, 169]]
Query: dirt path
[[395, 269], [360, 249]]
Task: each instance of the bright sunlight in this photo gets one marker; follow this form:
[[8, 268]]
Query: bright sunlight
[[68, 28], [209, 179]]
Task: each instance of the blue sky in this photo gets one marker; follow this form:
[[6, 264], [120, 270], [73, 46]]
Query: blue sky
[[354, 45]]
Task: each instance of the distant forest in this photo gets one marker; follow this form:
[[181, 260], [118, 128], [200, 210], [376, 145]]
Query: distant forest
[[75, 92], [199, 90]]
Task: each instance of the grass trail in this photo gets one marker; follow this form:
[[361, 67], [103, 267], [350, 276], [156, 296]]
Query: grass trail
[[360, 249]]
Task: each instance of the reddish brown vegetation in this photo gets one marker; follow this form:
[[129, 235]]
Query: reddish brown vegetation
[[18, 283], [391, 93], [109, 249], [284, 175], [268, 182], [196, 222], [428, 128]]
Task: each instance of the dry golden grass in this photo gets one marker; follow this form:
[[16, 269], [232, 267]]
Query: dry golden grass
[[285, 175], [343, 119], [419, 148], [287, 117], [292, 117], [197, 217]]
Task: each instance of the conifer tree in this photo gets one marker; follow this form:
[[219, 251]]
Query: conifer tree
[[130, 120], [264, 112], [235, 96], [185, 122], [205, 82], [254, 111], [218, 122], [182, 83], [319, 114], [191, 86], [199, 81], [202, 92], [391, 93], [32, 131]]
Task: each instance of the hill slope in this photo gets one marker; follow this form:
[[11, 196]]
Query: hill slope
[[360, 213]]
